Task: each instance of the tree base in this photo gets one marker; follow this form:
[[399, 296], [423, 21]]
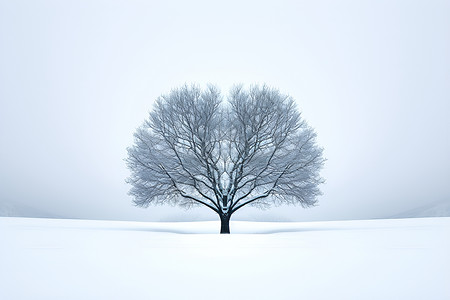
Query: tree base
[[224, 225]]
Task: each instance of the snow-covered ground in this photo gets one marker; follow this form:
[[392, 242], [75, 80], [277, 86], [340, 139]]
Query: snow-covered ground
[[77, 259]]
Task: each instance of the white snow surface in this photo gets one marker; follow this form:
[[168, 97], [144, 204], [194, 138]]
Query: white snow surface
[[79, 259]]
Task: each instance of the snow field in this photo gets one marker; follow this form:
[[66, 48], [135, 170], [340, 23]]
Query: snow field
[[78, 259]]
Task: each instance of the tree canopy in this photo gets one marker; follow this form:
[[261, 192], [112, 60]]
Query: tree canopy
[[254, 148]]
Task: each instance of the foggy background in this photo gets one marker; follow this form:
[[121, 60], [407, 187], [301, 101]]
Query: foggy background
[[78, 77]]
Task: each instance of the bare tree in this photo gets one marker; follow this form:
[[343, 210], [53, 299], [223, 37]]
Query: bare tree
[[254, 149]]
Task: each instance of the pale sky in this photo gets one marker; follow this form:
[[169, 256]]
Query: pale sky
[[78, 77]]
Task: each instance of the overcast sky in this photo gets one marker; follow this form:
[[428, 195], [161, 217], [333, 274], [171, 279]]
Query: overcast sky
[[78, 77]]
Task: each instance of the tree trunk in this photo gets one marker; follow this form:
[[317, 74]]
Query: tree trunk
[[224, 224]]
